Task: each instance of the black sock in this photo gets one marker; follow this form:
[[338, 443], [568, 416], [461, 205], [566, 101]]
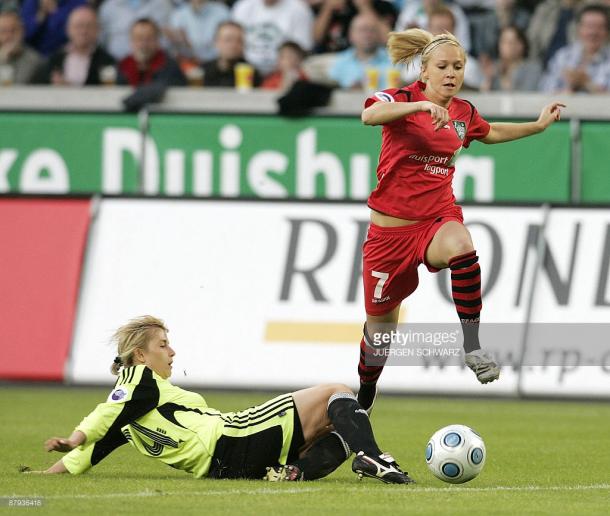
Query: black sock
[[324, 457], [366, 395], [352, 423]]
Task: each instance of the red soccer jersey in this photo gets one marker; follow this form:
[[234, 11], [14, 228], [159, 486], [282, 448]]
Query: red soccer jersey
[[416, 163]]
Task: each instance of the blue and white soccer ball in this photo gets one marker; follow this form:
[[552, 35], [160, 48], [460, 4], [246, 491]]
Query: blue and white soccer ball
[[456, 454]]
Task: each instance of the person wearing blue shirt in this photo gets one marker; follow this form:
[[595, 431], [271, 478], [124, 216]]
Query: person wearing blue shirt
[[193, 26], [583, 66], [45, 23], [350, 66]]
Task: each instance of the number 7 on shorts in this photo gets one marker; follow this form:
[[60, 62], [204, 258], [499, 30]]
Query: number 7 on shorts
[[383, 277]]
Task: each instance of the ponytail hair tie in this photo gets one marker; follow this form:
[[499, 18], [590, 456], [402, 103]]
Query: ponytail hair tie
[[435, 43]]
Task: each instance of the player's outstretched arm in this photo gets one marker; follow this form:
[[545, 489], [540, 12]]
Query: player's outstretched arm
[[58, 467], [500, 132], [381, 113], [64, 445], [60, 444]]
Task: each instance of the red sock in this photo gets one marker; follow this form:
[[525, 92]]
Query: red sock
[[466, 292]]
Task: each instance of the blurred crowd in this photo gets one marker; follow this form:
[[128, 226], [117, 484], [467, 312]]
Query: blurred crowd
[[511, 45]]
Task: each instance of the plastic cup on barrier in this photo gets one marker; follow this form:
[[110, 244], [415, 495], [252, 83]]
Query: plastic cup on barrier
[[372, 78], [108, 75], [195, 76], [7, 75], [244, 77], [393, 79]]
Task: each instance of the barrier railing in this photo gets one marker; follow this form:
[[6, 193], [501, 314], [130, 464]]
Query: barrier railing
[[221, 143]]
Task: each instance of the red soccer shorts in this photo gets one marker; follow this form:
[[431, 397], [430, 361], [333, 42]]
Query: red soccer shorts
[[390, 259]]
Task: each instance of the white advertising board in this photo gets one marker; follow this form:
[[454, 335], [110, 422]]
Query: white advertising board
[[269, 294]]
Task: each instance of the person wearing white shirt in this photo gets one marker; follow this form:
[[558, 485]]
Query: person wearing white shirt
[[416, 13], [117, 17], [583, 66], [268, 24], [442, 20]]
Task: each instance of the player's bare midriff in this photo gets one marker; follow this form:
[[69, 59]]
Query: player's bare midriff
[[387, 221]]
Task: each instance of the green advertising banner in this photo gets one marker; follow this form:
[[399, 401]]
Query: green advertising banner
[[595, 162], [251, 156]]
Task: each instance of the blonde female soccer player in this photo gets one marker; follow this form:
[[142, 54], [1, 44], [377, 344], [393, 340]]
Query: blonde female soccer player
[[414, 216], [302, 435]]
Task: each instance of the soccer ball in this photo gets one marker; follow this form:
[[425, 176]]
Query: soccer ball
[[455, 454]]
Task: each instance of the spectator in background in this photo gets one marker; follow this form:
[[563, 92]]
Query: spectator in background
[[333, 17], [350, 67], [512, 71], [192, 27], [17, 61], [583, 66], [45, 23], [289, 68], [551, 27], [7, 6], [487, 25], [81, 62], [440, 21], [118, 16], [416, 14], [229, 42], [148, 63], [469, 6], [268, 23]]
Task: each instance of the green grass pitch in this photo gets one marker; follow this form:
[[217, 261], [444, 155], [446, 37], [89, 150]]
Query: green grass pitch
[[544, 457]]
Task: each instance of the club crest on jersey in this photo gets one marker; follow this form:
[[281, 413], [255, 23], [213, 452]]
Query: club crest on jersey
[[384, 97], [117, 395], [460, 128]]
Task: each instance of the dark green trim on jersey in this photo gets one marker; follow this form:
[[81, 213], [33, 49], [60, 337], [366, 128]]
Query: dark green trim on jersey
[[155, 436], [127, 375], [262, 410], [144, 399], [168, 410], [178, 428], [275, 411]]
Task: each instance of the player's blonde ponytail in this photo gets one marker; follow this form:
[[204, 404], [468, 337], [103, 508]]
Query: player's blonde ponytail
[[404, 46], [131, 336]]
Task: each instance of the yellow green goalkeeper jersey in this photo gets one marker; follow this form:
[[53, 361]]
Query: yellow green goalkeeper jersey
[[168, 423]]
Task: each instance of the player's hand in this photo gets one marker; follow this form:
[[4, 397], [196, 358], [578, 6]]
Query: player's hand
[[550, 114], [440, 116], [60, 444]]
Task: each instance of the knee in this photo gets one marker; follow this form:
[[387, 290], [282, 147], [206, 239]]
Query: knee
[[334, 388], [458, 246]]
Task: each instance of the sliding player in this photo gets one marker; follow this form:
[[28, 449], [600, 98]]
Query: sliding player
[[302, 435], [414, 216]]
